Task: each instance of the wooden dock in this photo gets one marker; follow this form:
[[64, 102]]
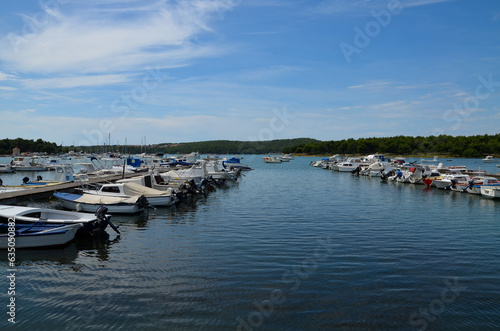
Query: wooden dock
[[45, 191]]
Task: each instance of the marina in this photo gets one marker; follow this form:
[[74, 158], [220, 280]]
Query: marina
[[347, 252]]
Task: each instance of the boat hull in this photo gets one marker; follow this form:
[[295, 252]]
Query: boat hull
[[492, 192], [29, 215], [54, 236]]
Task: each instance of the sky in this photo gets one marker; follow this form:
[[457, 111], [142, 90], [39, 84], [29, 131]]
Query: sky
[[87, 72]]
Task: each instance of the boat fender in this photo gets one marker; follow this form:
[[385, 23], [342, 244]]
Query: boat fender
[[39, 178], [26, 180]]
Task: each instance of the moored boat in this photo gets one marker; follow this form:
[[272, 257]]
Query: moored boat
[[490, 159], [492, 192], [476, 183], [129, 189], [434, 160], [272, 159], [30, 215], [90, 203], [6, 168], [37, 235]]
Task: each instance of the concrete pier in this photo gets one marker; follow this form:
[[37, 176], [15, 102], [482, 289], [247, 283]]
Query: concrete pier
[[45, 191]]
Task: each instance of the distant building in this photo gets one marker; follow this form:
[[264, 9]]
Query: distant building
[[16, 151]]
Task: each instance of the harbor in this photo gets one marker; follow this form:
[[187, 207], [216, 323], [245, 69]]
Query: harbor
[[288, 235]]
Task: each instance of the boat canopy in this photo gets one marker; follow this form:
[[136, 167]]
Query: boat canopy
[[97, 199], [137, 189]]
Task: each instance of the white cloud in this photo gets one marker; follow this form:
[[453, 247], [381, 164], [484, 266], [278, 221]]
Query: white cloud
[[363, 7], [415, 3], [7, 88], [75, 81], [98, 40]]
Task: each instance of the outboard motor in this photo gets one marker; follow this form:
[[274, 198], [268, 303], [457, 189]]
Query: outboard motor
[[101, 216], [356, 171], [471, 184]]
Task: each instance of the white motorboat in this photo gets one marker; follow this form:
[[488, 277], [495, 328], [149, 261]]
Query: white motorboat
[[30, 215], [37, 235], [272, 159], [197, 172], [63, 174], [490, 159], [454, 182], [492, 192], [21, 163], [189, 158], [128, 190], [476, 183], [351, 164], [377, 169], [434, 160], [91, 203], [6, 168]]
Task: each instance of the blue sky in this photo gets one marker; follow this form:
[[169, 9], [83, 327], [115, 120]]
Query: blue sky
[[78, 72]]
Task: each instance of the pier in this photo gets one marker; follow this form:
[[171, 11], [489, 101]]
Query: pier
[[45, 191]]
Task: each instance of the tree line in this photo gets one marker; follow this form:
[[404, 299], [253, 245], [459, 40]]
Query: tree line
[[459, 146], [208, 147], [28, 146]]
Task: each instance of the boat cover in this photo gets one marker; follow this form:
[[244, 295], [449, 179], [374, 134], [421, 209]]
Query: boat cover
[[96, 199], [137, 189]]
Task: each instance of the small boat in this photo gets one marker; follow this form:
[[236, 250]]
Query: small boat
[[490, 159], [492, 192], [20, 163], [434, 160], [37, 235], [351, 164], [6, 168], [454, 181], [272, 159], [478, 182], [29, 215], [63, 174], [90, 203], [235, 163], [128, 190]]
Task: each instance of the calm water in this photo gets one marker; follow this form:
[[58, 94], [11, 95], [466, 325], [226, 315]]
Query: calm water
[[288, 247]]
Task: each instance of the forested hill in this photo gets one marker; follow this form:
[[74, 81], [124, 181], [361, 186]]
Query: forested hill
[[27, 145], [460, 146], [232, 146]]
